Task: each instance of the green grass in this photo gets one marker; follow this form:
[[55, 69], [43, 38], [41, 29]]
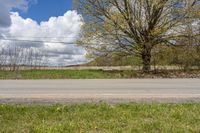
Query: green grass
[[63, 74], [101, 118], [95, 74]]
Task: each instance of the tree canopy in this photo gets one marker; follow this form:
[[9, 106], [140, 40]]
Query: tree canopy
[[135, 27]]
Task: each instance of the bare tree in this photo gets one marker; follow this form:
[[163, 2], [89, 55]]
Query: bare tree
[[3, 58], [14, 58], [133, 27]]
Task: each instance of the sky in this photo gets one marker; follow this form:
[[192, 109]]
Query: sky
[[50, 25], [42, 10]]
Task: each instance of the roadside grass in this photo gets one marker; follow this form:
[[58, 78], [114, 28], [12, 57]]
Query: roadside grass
[[59, 74], [101, 118], [96, 74]]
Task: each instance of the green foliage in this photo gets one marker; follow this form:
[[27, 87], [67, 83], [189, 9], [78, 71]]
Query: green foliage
[[186, 57], [116, 60], [151, 118]]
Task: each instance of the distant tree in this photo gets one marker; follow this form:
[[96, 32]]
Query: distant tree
[[13, 57], [133, 27]]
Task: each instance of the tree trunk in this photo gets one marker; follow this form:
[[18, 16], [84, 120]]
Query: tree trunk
[[146, 59]]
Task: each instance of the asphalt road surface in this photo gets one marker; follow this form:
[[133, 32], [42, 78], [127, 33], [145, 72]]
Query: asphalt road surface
[[111, 91]]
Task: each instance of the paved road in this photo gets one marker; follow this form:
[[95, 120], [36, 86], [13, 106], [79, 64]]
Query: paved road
[[112, 91]]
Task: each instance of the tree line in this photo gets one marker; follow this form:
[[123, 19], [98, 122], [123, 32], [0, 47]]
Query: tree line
[[13, 58]]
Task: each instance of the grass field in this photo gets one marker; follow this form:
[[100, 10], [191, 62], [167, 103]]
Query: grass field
[[103, 118], [59, 74], [95, 74]]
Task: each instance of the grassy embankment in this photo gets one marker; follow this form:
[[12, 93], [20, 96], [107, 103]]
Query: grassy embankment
[[165, 118], [95, 74]]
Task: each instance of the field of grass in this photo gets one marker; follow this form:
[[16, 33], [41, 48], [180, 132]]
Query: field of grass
[[101, 118], [95, 74], [59, 74]]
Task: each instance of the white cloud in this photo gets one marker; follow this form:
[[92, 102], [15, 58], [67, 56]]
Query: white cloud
[[64, 28], [6, 6]]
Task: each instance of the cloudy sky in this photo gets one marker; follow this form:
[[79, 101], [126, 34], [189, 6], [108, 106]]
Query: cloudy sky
[[50, 25]]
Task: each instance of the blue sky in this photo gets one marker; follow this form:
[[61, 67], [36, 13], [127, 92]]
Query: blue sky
[[42, 10]]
